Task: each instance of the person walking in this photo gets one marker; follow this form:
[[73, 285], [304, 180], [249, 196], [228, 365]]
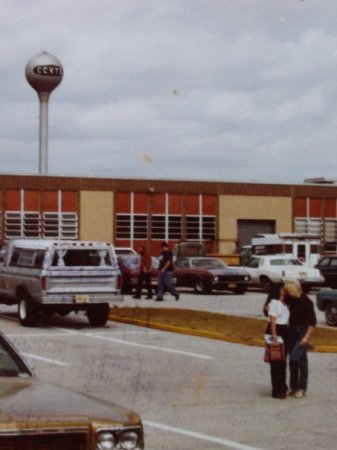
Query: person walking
[[165, 273], [277, 333], [145, 272], [302, 322]]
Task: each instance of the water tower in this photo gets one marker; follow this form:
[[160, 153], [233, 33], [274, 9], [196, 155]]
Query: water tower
[[44, 73]]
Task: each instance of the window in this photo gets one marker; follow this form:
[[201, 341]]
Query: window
[[158, 227], [80, 257], [201, 227], [140, 226], [27, 258], [60, 225], [165, 227], [123, 226]]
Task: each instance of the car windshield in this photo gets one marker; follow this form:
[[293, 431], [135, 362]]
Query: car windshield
[[209, 263], [130, 261], [10, 363], [285, 262]]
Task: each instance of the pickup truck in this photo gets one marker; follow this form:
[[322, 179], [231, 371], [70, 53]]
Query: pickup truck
[[44, 277], [326, 300]]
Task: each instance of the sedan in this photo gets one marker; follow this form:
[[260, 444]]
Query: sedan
[[265, 271], [207, 273], [37, 415]]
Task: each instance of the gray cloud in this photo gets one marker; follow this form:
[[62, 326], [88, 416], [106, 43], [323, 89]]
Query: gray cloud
[[202, 89]]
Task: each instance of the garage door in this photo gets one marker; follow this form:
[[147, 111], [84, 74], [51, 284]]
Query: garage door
[[249, 228]]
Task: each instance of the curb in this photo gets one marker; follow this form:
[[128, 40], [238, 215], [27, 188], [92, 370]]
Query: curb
[[256, 342]]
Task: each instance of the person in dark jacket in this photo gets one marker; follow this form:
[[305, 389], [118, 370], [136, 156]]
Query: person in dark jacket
[[145, 272], [165, 273], [302, 322]]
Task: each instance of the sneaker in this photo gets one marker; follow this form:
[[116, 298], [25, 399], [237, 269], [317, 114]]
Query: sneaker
[[159, 299], [299, 394], [291, 393], [177, 295]]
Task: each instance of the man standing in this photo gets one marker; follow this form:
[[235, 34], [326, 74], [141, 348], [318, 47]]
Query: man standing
[[165, 273], [301, 325], [145, 271]]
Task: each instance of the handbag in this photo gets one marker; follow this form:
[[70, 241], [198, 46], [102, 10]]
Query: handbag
[[274, 353]]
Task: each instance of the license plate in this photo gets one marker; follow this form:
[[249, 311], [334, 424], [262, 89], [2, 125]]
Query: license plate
[[303, 274], [82, 298], [231, 285]]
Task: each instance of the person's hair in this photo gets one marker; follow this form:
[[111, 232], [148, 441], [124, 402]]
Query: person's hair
[[293, 288]]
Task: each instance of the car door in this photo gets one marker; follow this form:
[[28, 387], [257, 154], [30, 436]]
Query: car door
[[252, 268], [183, 272]]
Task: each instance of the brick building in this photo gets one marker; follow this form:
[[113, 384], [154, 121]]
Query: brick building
[[131, 212]]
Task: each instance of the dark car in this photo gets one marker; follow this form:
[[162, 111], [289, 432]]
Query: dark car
[[328, 268], [326, 301], [207, 273], [38, 415], [129, 265]]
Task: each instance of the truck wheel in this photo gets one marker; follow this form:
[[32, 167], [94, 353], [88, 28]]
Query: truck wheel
[[331, 315], [98, 315], [27, 313]]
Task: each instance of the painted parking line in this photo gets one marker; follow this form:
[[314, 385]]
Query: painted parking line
[[48, 360], [204, 437], [111, 339], [150, 347]]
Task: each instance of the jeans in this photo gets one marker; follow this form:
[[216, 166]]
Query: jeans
[[144, 276], [298, 359], [165, 284]]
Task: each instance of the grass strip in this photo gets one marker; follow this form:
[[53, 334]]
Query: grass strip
[[243, 330]]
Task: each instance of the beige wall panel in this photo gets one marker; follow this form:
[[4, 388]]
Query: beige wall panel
[[96, 221], [234, 207]]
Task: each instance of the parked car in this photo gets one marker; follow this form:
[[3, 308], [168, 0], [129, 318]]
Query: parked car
[[207, 273], [272, 269], [38, 415], [326, 301], [129, 265], [328, 268]]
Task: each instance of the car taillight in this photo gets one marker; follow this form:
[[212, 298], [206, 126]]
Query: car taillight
[[44, 283]]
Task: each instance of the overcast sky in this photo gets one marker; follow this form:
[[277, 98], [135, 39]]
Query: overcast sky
[[228, 90]]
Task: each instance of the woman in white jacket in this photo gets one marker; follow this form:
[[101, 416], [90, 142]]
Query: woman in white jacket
[[278, 331]]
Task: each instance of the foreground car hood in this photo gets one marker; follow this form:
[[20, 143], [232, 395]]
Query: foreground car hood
[[33, 401]]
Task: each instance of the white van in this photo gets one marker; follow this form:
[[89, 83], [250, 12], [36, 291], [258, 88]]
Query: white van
[[54, 276]]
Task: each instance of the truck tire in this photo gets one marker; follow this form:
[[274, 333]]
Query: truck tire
[[27, 312], [98, 315], [331, 315]]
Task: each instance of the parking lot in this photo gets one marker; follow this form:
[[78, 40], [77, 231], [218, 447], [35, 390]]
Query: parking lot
[[191, 392]]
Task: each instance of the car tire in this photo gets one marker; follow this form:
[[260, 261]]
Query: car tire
[[331, 315], [240, 289], [27, 312], [266, 284], [200, 287], [98, 315]]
